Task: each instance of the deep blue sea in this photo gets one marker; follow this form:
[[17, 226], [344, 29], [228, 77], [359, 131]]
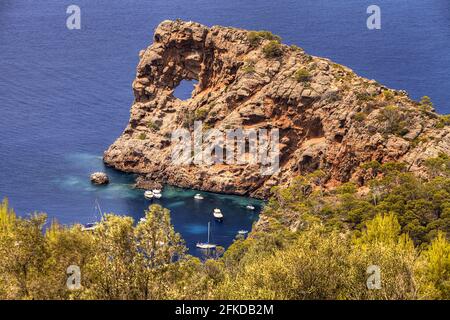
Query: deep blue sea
[[65, 94]]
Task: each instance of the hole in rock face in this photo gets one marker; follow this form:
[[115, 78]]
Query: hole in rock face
[[338, 138], [308, 164], [306, 161], [184, 90], [315, 128]]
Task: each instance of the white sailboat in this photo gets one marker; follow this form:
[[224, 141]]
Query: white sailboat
[[218, 214], [198, 196], [157, 193], [91, 226], [206, 245], [148, 195]]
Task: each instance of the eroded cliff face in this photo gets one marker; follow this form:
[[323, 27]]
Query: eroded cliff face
[[328, 117]]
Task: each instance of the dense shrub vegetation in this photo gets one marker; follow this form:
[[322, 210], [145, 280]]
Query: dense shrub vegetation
[[360, 116], [142, 136], [310, 243], [425, 104], [201, 114], [393, 120], [153, 126], [273, 49], [302, 75], [444, 120], [255, 37], [249, 67]]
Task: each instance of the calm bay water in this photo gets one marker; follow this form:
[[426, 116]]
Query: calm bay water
[[65, 95]]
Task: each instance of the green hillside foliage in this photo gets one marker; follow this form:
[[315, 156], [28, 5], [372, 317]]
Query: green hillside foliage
[[310, 243]]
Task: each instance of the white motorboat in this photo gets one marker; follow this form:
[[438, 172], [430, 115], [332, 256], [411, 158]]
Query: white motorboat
[[206, 245], [198, 196], [242, 232], [157, 193], [89, 227], [148, 195], [218, 214], [250, 207]]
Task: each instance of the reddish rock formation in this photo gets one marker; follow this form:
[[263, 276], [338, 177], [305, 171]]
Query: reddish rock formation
[[329, 118]]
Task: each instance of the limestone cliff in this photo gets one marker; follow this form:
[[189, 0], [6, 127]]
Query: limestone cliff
[[329, 118]]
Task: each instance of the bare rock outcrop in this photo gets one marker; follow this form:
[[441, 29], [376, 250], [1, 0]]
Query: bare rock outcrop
[[328, 117], [99, 178]]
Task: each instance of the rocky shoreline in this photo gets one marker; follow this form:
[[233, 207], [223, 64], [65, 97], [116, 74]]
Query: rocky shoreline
[[328, 117]]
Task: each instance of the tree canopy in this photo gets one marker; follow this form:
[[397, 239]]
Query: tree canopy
[[310, 243]]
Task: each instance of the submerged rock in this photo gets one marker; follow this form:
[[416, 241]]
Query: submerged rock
[[99, 178], [149, 184], [329, 118]]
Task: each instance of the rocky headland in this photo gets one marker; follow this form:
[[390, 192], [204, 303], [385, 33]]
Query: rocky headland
[[329, 118]]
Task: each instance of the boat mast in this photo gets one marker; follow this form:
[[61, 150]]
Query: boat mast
[[98, 208], [209, 223]]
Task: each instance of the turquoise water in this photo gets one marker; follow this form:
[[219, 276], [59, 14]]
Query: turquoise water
[[189, 216], [65, 95]]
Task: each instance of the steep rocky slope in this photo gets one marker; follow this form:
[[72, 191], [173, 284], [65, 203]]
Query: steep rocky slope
[[329, 118]]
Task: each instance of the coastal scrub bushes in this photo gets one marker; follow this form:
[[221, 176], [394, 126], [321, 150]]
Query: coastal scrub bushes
[[425, 104], [256, 37], [201, 114], [421, 206], [249, 67], [313, 244], [142, 136], [444, 120], [360, 116], [120, 260], [295, 47], [438, 166], [388, 95], [272, 50], [364, 96], [152, 126], [392, 120], [302, 75], [322, 264]]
